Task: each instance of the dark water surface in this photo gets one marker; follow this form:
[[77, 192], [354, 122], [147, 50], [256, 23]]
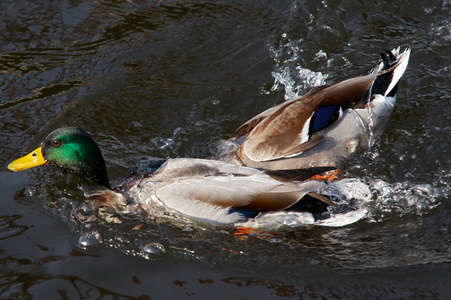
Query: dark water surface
[[172, 78]]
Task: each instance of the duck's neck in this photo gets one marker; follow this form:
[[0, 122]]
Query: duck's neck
[[97, 173]]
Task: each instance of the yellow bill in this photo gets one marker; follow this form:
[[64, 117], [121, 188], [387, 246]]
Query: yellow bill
[[31, 160]]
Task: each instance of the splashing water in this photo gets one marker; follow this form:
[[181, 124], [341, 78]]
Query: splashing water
[[372, 200], [170, 144], [370, 126], [295, 83]]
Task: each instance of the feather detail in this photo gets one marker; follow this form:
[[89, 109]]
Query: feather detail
[[297, 174], [322, 198], [282, 134], [325, 116], [398, 70]]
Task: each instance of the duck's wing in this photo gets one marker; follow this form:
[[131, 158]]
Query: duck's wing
[[285, 133], [347, 93], [247, 127], [211, 196], [290, 128]]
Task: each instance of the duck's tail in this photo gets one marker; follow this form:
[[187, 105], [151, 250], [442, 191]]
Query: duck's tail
[[389, 70]]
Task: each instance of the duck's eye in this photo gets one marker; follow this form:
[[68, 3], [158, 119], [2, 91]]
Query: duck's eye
[[56, 143]]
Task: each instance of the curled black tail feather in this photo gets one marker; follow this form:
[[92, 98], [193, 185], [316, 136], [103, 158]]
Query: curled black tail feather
[[384, 79], [388, 59]]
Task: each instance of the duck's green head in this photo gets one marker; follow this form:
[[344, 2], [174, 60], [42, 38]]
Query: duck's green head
[[70, 148]]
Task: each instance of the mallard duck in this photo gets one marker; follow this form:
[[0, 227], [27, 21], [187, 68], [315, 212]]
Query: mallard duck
[[208, 190], [324, 126]]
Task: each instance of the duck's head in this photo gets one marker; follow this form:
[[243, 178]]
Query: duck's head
[[70, 148]]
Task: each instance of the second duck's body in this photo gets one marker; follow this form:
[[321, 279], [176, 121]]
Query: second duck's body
[[324, 126]]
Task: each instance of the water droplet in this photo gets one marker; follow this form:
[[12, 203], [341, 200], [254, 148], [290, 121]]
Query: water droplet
[[154, 249], [89, 239]]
